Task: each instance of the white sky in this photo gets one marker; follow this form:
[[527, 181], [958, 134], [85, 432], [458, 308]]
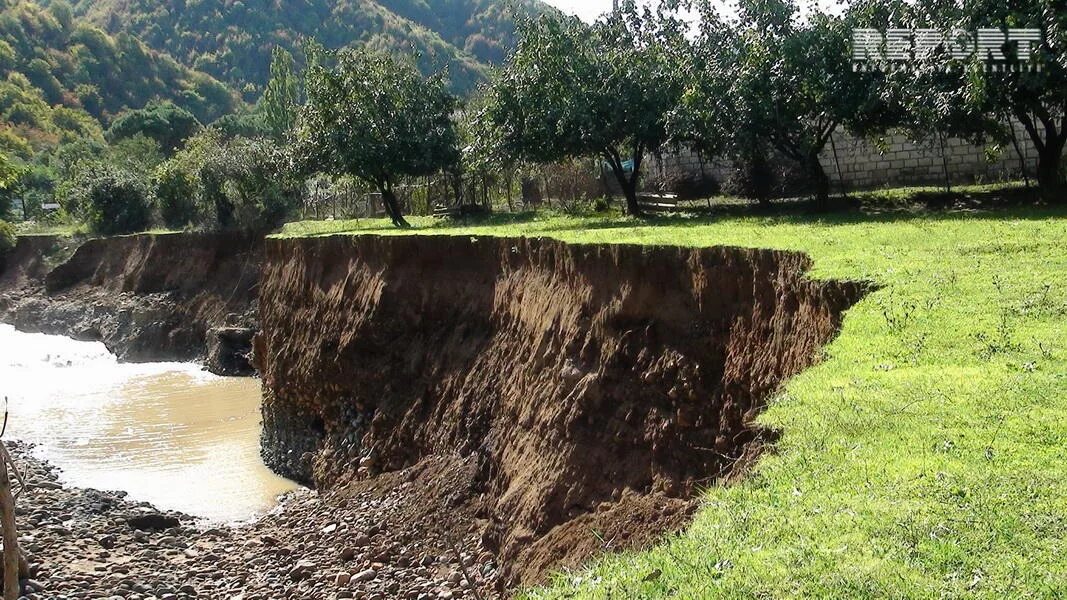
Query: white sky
[[589, 10]]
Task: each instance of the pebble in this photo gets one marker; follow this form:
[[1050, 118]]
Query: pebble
[[87, 544]]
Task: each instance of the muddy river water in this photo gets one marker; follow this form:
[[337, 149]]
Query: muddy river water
[[167, 433]]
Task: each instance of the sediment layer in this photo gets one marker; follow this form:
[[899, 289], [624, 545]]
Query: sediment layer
[[593, 388]]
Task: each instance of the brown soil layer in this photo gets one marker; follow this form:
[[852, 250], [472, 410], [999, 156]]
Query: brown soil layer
[[590, 389], [147, 297]]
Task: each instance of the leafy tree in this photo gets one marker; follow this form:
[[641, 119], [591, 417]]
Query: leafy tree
[[164, 122], [1037, 96], [10, 173], [111, 200], [7, 239], [279, 101], [572, 90], [175, 192], [707, 115], [794, 83], [375, 117], [236, 182], [246, 124], [247, 183]]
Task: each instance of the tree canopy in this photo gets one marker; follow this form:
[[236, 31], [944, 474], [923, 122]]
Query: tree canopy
[[572, 90], [167, 124], [375, 117], [280, 101], [772, 81]]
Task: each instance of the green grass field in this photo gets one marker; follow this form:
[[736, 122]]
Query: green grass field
[[925, 457]]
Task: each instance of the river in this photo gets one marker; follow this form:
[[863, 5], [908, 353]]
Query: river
[[167, 433]]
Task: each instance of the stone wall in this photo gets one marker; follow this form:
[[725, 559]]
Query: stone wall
[[893, 161]]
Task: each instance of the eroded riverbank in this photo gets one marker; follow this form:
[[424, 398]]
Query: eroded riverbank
[[476, 412]]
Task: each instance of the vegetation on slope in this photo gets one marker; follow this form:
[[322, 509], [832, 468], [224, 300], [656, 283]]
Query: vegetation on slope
[[233, 40], [59, 74], [922, 459]]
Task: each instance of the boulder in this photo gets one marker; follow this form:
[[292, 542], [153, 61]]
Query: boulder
[[153, 522], [229, 350]]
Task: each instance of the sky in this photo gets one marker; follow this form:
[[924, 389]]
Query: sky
[[587, 10]]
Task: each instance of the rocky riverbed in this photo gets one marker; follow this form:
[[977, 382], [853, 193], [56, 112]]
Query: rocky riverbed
[[372, 540]]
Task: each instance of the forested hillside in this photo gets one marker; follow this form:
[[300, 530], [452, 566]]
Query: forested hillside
[[61, 78], [233, 39]]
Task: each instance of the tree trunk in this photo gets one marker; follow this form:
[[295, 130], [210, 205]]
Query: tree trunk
[[392, 208], [629, 189], [12, 585], [819, 180], [1049, 173], [628, 184]]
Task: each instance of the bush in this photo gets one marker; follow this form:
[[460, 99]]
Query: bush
[[110, 200], [7, 237], [752, 177], [246, 184], [175, 191]]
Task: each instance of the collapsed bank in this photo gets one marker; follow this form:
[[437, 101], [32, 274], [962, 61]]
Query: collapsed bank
[[524, 404]]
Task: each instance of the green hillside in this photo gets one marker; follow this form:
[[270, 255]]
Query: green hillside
[[232, 40], [62, 79]]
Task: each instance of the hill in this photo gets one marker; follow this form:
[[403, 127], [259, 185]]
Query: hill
[[232, 39], [63, 78]]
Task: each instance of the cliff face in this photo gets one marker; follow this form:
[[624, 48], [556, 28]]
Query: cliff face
[[147, 297], [591, 388]]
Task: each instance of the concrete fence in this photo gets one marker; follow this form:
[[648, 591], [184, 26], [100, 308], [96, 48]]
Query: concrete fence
[[893, 161]]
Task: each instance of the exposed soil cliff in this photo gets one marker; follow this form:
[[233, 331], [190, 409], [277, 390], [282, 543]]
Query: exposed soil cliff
[[147, 297], [592, 389], [31, 259]]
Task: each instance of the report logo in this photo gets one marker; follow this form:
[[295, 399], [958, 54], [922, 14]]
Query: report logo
[[894, 49]]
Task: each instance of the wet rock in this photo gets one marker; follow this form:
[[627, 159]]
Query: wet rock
[[153, 522], [229, 351]]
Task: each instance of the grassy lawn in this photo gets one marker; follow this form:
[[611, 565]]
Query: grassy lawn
[[925, 457]]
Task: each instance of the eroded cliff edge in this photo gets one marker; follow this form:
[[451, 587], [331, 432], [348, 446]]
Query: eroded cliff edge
[[586, 390], [148, 297]]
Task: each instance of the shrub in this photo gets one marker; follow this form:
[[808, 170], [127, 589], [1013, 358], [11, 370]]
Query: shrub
[[751, 177], [110, 200], [246, 184], [7, 237], [175, 191]]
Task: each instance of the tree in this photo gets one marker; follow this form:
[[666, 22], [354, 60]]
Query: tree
[[164, 122], [1035, 96], [571, 90], [111, 200], [781, 82], [7, 239], [10, 174], [248, 184], [375, 117], [175, 192], [279, 101]]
